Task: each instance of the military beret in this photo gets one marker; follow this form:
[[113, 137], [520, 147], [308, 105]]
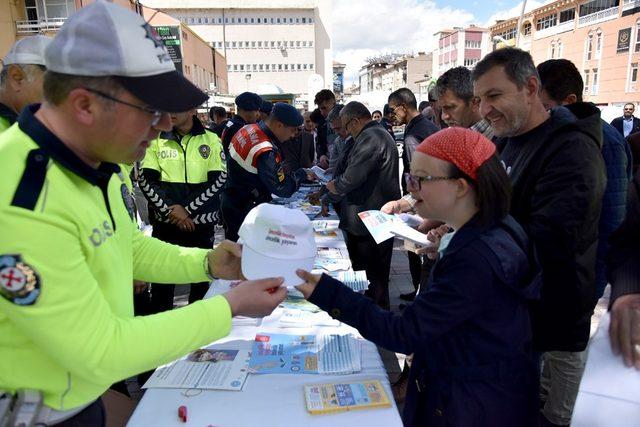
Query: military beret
[[286, 114], [266, 107], [249, 101]]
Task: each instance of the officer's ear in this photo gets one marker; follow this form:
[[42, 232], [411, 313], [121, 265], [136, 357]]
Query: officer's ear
[[84, 106], [16, 77]]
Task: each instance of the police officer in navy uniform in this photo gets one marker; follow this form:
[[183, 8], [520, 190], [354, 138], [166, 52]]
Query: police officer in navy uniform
[[248, 105], [255, 166], [265, 110]]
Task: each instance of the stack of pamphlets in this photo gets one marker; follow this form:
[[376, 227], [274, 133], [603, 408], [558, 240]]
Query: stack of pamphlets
[[207, 368], [328, 398], [328, 354]]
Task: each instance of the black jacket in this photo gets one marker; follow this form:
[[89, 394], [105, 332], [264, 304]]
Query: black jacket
[[231, 128], [370, 178], [617, 123], [414, 133], [624, 257], [469, 331], [218, 128], [558, 178]]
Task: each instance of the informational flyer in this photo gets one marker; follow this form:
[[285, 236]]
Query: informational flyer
[[305, 354], [383, 227], [206, 368], [328, 398]]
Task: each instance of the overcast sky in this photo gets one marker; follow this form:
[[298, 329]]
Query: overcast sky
[[363, 28]]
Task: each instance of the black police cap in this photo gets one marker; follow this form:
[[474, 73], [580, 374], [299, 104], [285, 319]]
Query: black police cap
[[249, 101]]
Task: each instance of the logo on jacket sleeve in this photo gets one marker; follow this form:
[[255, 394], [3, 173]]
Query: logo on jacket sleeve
[[19, 282], [205, 151], [127, 198]]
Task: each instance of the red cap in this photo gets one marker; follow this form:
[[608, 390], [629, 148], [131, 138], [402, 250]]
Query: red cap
[[465, 148]]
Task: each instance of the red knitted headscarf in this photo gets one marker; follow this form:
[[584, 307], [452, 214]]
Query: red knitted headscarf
[[465, 148]]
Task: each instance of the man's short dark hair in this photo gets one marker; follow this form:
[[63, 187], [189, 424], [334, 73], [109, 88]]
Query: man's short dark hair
[[334, 113], [57, 86], [458, 81], [324, 95], [630, 103], [217, 112], [316, 116], [404, 96], [518, 65], [433, 94], [355, 109], [560, 78], [423, 105]]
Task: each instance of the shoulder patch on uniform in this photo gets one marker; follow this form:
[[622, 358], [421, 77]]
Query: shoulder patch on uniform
[[19, 282], [127, 198], [32, 180], [205, 151]]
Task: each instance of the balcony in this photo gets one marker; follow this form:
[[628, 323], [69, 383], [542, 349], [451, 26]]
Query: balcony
[[594, 18], [39, 26], [556, 29], [630, 5]]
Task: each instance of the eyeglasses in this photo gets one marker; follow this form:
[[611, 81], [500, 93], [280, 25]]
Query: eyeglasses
[[414, 182], [346, 125], [156, 115], [392, 110]]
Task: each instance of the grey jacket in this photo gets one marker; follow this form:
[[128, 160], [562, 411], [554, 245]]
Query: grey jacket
[[371, 176]]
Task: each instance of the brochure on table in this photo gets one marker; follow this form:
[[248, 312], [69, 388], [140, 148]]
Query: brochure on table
[[207, 368], [328, 398], [328, 354]]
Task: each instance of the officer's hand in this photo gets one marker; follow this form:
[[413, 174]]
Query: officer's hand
[[315, 196], [177, 213], [310, 282], [331, 186], [187, 225], [624, 329], [323, 162], [256, 298], [311, 175], [325, 210], [139, 287], [224, 261]]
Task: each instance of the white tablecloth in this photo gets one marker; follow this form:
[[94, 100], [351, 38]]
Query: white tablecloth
[[269, 400]]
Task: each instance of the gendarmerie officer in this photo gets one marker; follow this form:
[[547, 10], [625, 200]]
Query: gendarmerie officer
[[248, 105], [255, 166]]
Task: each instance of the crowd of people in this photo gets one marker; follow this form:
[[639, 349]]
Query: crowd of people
[[531, 201]]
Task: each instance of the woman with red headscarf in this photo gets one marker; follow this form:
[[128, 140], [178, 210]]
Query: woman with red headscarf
[[469, 329]]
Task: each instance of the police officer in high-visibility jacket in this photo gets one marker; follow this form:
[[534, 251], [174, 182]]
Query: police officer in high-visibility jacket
[[182, 174], [255, 166], [69, 244], [21, 77]]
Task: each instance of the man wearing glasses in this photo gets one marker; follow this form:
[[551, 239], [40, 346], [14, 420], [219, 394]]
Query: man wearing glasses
[[369, 180], [21, 78], [70, 248]]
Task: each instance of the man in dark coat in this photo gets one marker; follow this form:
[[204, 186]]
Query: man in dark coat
[[218, 116], [627, 124], [248, 105], [562, 85], [555, 163], [369, 181]]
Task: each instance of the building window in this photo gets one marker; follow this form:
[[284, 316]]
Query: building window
[[235, 67], [299, 67], [304, 20], [310, 44], [277, 20], [552, 49], [567, 15], [228, 67], [586, 80], [268, 67], [546, 22], [633, 76], [472, 44], [233, 20], [304, 44], [594, 89], [297, 20], [310, 20], [259, 44], [219, 20], [241, 67], [508, 34], [253, 44], [596, 6], [589, 47], [259, 19], [526, 29], [559, 49], [290, 20], [637, 49], [273, 44], [304, 66], [598, 44]]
